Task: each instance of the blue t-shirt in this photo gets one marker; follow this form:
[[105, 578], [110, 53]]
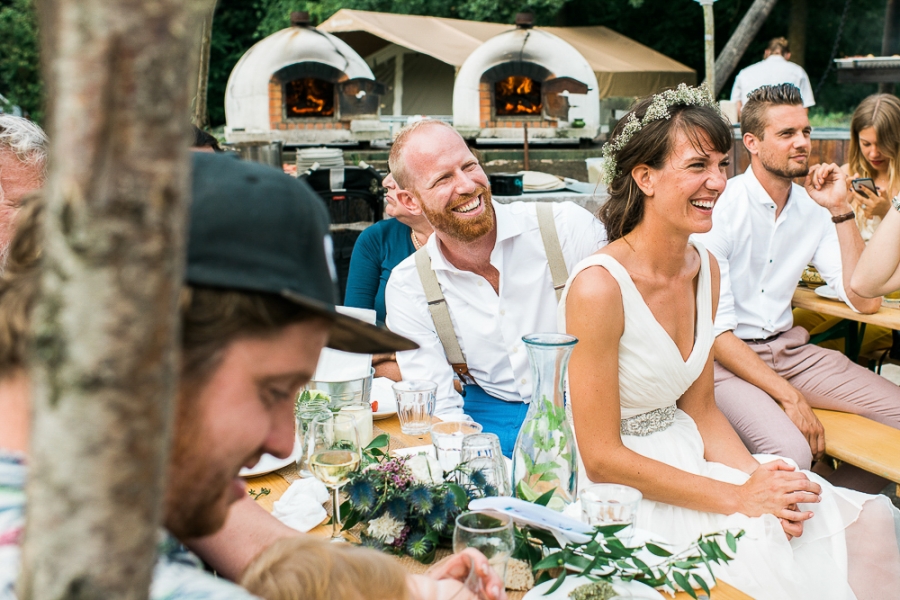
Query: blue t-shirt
[[379, 249]]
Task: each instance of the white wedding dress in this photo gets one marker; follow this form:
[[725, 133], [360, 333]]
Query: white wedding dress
[[652, 377]]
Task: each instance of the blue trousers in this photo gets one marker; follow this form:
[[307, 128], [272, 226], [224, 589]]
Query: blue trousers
[[496, 416]]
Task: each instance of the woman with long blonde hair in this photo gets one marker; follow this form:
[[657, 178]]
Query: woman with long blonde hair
[[873, 153]]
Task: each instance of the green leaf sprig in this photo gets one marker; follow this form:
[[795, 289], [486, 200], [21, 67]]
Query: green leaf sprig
[[607, 554]]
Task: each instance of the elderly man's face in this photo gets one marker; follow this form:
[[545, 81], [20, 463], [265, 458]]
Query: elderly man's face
[[244, 409], [17, 180], [449, 184]]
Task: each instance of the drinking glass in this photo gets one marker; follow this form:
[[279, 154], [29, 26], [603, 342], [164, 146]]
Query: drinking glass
[[415, 405], [304, 417], [334, 453], [490, 533], [611, 504], [481, 452], [447, 438], [362, 413]]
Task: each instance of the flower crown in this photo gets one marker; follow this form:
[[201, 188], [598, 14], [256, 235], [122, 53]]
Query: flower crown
[[658, 109]]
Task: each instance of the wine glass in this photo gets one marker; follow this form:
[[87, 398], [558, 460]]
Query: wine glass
[[490, 533], [334, 453]]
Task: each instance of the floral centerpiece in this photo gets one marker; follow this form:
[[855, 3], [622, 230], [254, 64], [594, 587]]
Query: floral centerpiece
[[407, 505]]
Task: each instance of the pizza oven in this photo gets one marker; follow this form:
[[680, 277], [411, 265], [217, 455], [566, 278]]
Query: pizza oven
[[526, 78], [303, 86]]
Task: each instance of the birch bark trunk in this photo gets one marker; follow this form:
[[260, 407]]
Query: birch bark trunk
[[200, 116], [104, 378], [737, 44]]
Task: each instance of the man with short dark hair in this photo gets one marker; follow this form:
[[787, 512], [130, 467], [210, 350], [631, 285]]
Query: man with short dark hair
[[775, 68], [492, 265], [766, 229]]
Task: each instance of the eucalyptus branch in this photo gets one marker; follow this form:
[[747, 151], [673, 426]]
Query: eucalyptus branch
[[605, 557]]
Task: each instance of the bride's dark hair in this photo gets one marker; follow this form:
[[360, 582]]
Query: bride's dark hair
[[651, 146]]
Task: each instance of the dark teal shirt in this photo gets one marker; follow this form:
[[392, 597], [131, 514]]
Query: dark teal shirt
[[378, 250]]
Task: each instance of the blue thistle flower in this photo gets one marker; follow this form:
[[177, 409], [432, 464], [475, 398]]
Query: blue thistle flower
[[421, 499], [449, 502], [397, 508], [361, 494], [477, 479], [368, 541], [418, 546], [438, 520], [491, 490]]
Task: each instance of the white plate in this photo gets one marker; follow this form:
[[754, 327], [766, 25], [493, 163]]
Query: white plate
[[269, 463], [384, 393], [636, 590], [541, 517], [826, 292]]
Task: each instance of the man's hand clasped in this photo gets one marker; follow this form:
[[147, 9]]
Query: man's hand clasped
[[777, 488]]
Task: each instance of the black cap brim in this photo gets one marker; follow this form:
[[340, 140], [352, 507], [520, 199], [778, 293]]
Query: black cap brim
[[352, 335]]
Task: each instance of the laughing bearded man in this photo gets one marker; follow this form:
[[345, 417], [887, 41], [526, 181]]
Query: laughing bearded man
[[492, 267]]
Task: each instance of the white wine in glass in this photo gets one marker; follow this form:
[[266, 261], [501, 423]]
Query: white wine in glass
[[333, 451]]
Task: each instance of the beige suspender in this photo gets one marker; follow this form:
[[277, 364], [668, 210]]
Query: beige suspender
[[440, 314], [437, 305], [558, 271]]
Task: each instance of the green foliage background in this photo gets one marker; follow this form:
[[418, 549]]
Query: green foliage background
[[673, 27]]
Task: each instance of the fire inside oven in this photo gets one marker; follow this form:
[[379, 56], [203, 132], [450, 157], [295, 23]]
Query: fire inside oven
[[517, 95], [309, 97]]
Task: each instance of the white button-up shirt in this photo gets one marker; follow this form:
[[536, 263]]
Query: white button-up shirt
[[772, 71], [761, 258], [489, 326]]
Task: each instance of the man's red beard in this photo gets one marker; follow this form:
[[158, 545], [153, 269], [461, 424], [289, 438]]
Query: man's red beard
[[457, 226]]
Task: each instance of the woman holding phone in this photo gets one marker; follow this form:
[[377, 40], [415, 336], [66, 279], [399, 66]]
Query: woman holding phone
[[873, 167], [874, 154]]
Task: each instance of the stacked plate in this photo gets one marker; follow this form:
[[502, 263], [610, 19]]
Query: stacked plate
[[326, 157], [535, 181]]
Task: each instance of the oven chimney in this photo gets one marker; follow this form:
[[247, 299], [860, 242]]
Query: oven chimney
[[524, 20], [300, 19]]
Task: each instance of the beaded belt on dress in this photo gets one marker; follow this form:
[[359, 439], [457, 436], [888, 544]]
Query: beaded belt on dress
[[648, 422]]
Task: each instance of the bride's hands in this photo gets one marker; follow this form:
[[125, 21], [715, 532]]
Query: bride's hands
[[792, 529], [776, 488]]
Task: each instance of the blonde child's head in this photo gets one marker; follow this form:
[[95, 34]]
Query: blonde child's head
[[304, 568]]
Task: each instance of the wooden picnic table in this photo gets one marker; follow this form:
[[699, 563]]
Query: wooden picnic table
[[853, 325], [805, 297], [278, 484]]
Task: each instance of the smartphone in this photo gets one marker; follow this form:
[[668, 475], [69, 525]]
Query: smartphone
[[864, 182]]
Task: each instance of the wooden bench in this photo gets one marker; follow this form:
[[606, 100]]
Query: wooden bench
[[862, 442]]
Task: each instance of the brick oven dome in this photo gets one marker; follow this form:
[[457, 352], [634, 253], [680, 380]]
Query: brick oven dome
[[247, 92], [540, 53]]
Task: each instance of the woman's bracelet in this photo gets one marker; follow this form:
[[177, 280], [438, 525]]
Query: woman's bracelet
[[895, 202]]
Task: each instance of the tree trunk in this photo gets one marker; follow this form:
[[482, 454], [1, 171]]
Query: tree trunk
[[797, 31], [200, 116], [746, 30], [106, 325], [887, 40]]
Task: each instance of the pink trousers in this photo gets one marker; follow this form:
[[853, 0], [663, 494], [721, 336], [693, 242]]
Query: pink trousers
[[827, 379]]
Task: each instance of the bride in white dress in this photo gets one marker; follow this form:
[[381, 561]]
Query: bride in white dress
[[641, 380]]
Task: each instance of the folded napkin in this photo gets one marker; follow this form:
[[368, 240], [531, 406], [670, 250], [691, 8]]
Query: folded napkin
[[335, 365], [300, 507]]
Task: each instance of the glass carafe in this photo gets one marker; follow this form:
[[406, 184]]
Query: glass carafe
[[544, 457]]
